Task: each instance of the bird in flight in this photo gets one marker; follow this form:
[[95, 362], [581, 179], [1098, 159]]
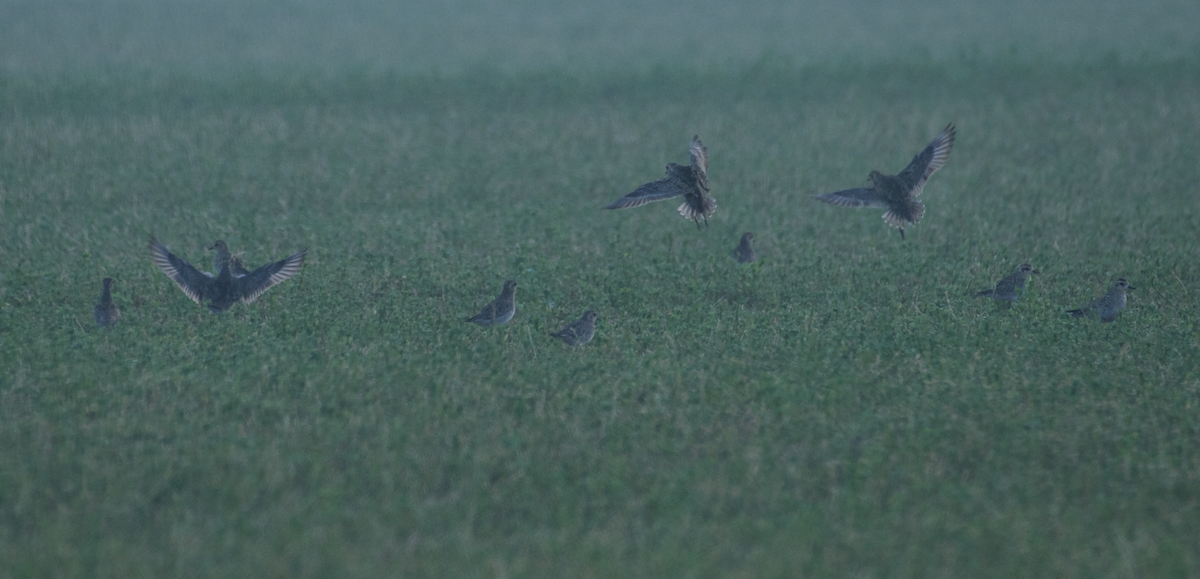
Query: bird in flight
[[224, 290], [691, 182], [898, 193]]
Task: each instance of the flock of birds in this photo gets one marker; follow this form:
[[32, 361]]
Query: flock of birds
[[897, 194]]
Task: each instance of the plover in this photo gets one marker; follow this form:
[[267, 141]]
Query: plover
[[501, 310], [1012, 287], [106, 312], [898, 193], [223, 257], [744, 252], [691, 182], [1106, 307], [580, 331], [224, 290]]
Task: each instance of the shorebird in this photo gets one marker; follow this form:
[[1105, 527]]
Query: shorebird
[[691, 182], [898, 193], [501, 310], [1012, 287], [224, 290], [744, 252], [106, 312], [580, 331], [223, 257], [1106, 307]]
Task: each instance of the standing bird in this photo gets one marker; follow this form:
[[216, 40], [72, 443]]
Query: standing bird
[[106, 312], [224, 290], [691, 182], [501, 310], [580, 331], [223, 257], [898, 193], [1012, 287], [744, 252], [1107, 306]]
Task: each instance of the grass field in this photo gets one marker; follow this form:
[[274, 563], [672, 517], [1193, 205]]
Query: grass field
[[844, 407]]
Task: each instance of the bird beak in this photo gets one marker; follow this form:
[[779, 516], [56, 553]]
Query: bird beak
[[1129, 287], [1036, 271]]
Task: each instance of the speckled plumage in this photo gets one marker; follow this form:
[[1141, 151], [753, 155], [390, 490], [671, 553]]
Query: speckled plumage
[[501, 310], [106, 312], [1012, 287], [580, 331], [691, 182], [1105, 307], [745, 252], [222, 257], [898, 193], [224, 290]]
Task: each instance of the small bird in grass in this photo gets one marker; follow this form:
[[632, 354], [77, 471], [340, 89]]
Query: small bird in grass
[[223, 257], [106, 312], [224, 290], [1012, 287], [1106, 307], [744, 252], [898, 193], [580, 331], [691, 182], [501, 310]]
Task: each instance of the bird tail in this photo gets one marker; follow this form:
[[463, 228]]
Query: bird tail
[[1078, 313], [986, 293]]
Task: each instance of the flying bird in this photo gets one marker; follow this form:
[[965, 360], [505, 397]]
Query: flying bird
[[224, 290], [691, 182], [501, 310], [1105, 307], [106, 312], [898, 193]]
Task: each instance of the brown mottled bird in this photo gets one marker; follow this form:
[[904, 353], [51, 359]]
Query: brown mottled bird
[[224, 290], [106, 312], [1105, 307], [223, 257], [690, 182], [898, 193], [580, 331], [1012, 287], [744, 252], [501, 310]]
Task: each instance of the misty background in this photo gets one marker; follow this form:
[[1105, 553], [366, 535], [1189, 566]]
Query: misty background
[[54, 36]]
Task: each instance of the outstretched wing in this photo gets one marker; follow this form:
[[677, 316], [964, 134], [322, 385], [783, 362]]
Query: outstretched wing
[[699, 160], [860, 197], [665, 188], [927, 162], [264, 278], [189, 279]]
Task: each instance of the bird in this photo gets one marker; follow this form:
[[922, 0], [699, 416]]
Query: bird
[[224, 290], [744, 252], [501, 310], [898, 193], [222, 257], [1012, 287], [106, 312], [580, 331], [691, 182], [1105, 307]]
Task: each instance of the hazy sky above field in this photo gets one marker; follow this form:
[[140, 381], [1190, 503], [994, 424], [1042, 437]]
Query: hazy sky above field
[[522, 35]]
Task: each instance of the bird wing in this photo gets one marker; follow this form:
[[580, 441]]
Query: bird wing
[[699, 160], [664, 188], [859, 197], [927, 162], [264, 278], [189, 279]]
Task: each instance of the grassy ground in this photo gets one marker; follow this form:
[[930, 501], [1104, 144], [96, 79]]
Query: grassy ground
[[843, 407]]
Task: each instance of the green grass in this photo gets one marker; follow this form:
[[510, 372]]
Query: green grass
[[844, 407]]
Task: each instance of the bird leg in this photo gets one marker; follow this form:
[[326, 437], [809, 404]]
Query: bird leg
[[901, 232]]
